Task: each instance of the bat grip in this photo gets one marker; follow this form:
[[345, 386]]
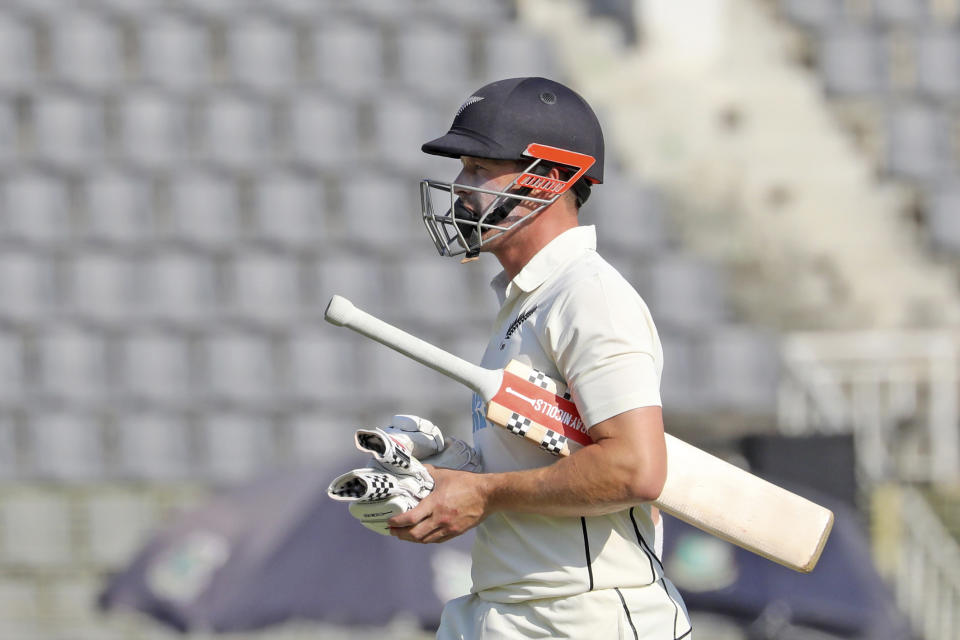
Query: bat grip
[[485, 382]]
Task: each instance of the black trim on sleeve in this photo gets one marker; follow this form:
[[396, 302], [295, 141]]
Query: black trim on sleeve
[[586, 549], [627, 611]]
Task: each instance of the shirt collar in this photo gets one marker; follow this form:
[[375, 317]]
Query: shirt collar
[[558, 252]]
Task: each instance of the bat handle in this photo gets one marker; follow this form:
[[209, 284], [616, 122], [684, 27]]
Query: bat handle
[[343, 313]]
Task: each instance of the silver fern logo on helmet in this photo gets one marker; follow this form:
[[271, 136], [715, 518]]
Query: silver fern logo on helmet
[[471, 100]]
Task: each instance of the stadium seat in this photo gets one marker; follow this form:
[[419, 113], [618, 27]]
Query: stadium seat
[[175, 51], [67, 446], [9, 132], [628, 217], [290, 209], [319, 438], [852, 61], [403, 123], [680, 384], [12, 370], [262, 54], [35, 208], [266, 286], [740, 369], [236, 131], [178, 286], [37, 529], [72, 363], [153, 446], [156, 365], [916, 145], [434, 59], [204, 209], [86, 50], [68, 129], [943, 216], [101, 286], [237, 447], [938, 63], [362, 280], [816, 14], [10, 458], [118, 524], [348, 57], [684, 292], [118, 207], [510, 52], [900, 12], [428, 281], [322, 367], [240, 367], [323, 131], [154, 129], [28, 288], [18, 56], [382, 211]]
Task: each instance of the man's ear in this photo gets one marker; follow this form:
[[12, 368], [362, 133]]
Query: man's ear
[[554, 173]]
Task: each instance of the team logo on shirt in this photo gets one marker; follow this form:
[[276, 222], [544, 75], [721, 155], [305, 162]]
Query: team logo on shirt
[[512, 329], [479, 416]]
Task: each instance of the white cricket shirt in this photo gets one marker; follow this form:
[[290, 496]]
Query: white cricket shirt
[[571, 315]]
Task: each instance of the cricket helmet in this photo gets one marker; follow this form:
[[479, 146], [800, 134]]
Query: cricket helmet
[[537, 122]]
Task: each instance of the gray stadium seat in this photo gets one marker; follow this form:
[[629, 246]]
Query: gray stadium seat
[[102, 286], [938, 63], [35, 208], [290, 208], [118, 524], [12, 371], [18, 57], [236, 131], [323, 131], [383, 211], [237, 447], [68, 129], [156, 365], [852, 61], [204, 209], [900, 12], [360, 278], [510, 51], [348, 56], [118, 207], [72, 363], [28, 289], [684, 292], [403, 123], [916, 145], [943, 216], [154, 129], [680, 385], [427, 281], [317, 438], [153, 446], [740, 369], [262, 54], [37, 529], [813, 13], [8, 132], [322, 367], [10, 460], [175, 51], [178, 286], [266, 286], [240, 367], [434, 58], [628, 218], [67, 445], [86, 50]]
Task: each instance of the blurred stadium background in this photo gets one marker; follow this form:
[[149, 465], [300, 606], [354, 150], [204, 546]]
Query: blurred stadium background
[[184, 183]]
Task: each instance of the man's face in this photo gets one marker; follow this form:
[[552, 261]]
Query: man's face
[[495, 175]]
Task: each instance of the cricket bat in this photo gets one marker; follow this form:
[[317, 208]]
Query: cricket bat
[[702, 490]]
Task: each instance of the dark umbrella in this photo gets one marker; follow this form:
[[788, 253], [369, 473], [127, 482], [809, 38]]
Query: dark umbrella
[[280, 549], [843, 595]]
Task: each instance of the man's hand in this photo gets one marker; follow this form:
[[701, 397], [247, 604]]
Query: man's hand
[[459, 502]]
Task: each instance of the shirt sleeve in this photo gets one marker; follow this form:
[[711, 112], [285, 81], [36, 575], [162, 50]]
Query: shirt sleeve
[[606, 347]]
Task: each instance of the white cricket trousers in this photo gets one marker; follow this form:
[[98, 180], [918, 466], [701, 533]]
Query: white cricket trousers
[[648, 613]]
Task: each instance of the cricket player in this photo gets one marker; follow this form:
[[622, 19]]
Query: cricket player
[[564, 547]]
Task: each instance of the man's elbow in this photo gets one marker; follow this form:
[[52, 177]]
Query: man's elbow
[[646, 485]]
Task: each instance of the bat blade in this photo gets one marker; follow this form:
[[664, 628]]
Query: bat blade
[[708, 493]]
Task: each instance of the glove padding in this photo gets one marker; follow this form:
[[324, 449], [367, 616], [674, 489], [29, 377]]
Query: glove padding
[[396, 481]]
